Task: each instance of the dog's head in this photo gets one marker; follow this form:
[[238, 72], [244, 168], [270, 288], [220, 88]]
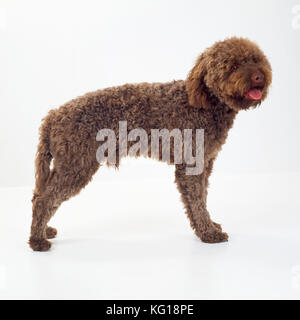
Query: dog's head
[[235, 71]]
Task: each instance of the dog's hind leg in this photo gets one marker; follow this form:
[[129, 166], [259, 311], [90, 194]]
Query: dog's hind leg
[[42, 211], [51, 233], [193, 189], [61, 185]]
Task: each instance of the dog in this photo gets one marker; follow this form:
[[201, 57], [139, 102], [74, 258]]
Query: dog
[[230, 76]]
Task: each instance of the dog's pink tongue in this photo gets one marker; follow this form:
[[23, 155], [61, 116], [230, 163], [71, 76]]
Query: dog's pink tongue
[[254, 94]]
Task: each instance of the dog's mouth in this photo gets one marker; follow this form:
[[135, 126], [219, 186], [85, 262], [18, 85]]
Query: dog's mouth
[[253, 94], [251, 98]]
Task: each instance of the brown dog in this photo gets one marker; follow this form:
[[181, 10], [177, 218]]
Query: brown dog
[[230, 76]]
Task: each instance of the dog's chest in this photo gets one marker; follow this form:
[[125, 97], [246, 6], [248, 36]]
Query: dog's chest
[[221, 121]]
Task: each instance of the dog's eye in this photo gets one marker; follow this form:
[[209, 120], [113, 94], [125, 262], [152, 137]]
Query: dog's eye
[[234, 67]]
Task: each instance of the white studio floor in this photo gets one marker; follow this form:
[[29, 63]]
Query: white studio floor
[[130, 239]]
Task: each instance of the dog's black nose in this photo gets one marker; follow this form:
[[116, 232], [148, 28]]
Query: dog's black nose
[[258, 79]]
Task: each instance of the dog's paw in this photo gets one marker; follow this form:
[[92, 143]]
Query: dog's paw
[[213, 236], [51, 233], [39, 244], [217, 225]]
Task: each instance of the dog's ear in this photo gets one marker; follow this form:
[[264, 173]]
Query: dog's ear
[[197, 90]]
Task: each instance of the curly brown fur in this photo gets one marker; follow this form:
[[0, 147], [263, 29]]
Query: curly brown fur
[[230, 76], [51, 233]]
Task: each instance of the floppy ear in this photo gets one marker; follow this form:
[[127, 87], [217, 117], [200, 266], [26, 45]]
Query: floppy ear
[[196, 88]]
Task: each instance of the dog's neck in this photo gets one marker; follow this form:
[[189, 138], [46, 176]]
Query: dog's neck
[[218, 103], [219, 106], [224, 117]]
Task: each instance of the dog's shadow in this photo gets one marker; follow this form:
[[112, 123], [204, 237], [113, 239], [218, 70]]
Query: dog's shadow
[[135, 248]]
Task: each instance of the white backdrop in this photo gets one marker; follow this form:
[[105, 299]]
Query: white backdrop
[[54, 51], [126, 235]]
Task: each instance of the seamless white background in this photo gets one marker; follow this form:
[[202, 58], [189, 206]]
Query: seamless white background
[[126, 235]]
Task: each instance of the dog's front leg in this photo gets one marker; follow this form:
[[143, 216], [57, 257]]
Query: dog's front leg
[[193, 189]]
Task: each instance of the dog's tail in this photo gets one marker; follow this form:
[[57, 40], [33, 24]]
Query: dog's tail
[[43, 158]]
